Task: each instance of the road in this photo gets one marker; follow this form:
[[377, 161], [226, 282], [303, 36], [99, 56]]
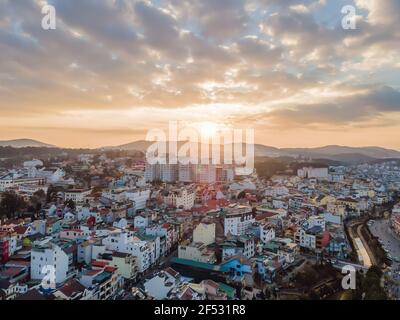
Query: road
[[365, 255], [381, 229]]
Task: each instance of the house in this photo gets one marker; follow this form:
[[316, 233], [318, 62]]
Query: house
[[140, 221], [267, 233], [213, 290], [269, 266], [161, 285], [120, 223], [102, 281], [242, 245], [72, 290], [10, 290], [237, 267], [338, 247], [126, 264], [197, 251], [312, 238]]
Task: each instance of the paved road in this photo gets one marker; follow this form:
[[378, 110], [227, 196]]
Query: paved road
[[381, 229]]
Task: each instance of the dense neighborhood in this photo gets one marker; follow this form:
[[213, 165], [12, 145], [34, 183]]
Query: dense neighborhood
[[103, 225]]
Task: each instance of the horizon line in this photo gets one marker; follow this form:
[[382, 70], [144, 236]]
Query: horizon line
[[50, 145]]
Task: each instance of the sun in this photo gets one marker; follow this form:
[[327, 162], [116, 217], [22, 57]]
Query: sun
[[208, 129]]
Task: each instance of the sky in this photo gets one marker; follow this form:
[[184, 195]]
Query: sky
[[113, 69]]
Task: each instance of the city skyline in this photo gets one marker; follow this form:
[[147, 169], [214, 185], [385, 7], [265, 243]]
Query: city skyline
[[114, 69]]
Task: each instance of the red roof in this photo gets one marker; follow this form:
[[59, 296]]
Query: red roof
[[99, 264], [71, 288], [110, 269], [20, 230]]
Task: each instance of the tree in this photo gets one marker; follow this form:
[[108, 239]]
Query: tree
[[11, 203], [70, 204], [37, 201], [52, 193], [372, 285]]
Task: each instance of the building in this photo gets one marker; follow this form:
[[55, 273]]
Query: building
[[9, 181], [267, 233], [313, 238], [310, 172], [125, 263], [237, 220], [186, 172], [139, 197], [204, 233], [124, 242], [77, 195], [46, 258], [180, 198], [205, 173], [197, 251], [102, 280], [239, 245]]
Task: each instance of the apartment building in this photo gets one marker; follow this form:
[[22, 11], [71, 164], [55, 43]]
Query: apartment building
[[237, 220], [49, 256]]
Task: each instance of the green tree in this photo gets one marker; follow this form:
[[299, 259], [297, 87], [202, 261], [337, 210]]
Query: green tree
[[11, 203], [70, 204]]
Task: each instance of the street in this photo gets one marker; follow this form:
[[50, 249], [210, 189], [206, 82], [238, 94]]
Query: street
[[381, 229]]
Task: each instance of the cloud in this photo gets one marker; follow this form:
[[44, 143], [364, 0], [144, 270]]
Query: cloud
[[291, 59], [343, 111]]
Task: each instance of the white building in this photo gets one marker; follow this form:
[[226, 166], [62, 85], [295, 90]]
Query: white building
[[9, 181], [310, 172], [47, 257], [267, 233], [126, 243], [197, 252], [238, 220], [140, 222], [53, 175], [182, 198], [77, 195], [139, 197], [204, 233]]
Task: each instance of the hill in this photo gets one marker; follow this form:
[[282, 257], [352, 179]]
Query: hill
[[24, 143]]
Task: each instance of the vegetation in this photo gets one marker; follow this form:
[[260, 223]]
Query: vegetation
[[267, 167], [11, 204], [368, 286]]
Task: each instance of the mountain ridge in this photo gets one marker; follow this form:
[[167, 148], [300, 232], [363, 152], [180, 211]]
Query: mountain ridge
[[261, 150], [334, 152], [24, 143]]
